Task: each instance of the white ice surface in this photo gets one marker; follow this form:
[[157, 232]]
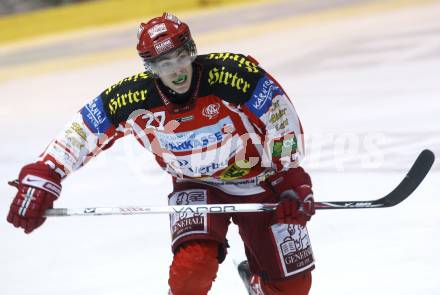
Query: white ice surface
[[367, 90]]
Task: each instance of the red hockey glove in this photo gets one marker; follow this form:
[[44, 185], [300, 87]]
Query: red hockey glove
[[294, 189], [38, 187], [296, 206]]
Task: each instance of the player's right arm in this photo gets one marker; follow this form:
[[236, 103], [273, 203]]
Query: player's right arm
[[93, 129], [85, 136], [39, 184]]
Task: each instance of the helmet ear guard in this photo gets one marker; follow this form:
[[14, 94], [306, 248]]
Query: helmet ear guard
[[163, 35]]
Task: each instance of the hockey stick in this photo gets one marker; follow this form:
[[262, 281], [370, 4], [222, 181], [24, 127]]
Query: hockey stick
[[413, 178]]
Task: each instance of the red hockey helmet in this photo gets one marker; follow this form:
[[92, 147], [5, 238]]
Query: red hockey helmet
[[162, 35]]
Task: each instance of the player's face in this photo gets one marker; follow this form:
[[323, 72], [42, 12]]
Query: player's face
[[175, 70]]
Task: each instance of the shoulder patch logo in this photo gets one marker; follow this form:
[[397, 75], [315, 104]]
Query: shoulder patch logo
[[262, 96], [94, 116], [231, 79], [237, 59], [121, 100]]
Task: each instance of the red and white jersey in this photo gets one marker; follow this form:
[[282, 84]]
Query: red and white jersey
[[236, 127]]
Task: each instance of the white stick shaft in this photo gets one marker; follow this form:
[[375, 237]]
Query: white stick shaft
[[211, 208]]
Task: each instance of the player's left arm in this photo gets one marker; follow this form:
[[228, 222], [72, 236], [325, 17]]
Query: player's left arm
[[272, 112]]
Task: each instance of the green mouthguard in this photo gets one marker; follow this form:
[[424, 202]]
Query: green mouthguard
[[181, 78]]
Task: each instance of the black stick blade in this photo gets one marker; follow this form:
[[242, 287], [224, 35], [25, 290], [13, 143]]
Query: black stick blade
[[406, 187], [412, 180]]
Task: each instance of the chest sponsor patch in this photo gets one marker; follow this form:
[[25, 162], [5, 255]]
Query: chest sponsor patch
[[195, 169], [236, 170], [193, 139]]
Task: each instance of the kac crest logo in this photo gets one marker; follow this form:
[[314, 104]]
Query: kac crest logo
[[211, 110]]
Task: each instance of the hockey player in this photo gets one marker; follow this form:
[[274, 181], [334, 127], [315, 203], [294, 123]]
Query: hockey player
[[226, 132]]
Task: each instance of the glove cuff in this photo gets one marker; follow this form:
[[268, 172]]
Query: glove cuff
[[42, 183], [41, 176]]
